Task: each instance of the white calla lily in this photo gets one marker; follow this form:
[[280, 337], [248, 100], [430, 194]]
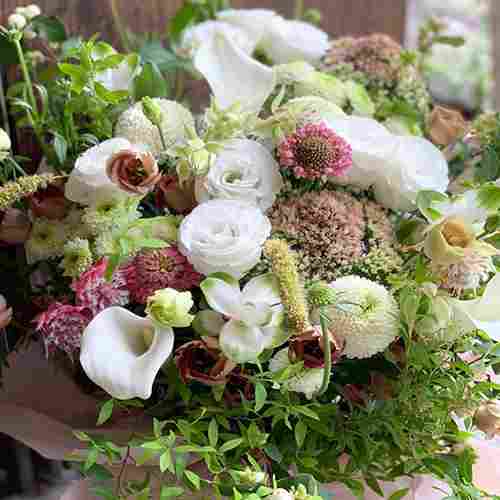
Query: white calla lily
[[256, 315], [244, 170], [290, 41], [397, 167], [88, 182], [482, 313], [233, 76], [122, 353]]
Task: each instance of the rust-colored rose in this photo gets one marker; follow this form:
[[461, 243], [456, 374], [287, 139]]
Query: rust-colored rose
[[171, 194], [133, 171], [201, 360], [15, 227], [50, 203], [446, 126]]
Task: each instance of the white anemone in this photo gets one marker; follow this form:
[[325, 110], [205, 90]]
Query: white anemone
[[88, 182], [256, 315], [233, 76], [122, 353], [482, 313], [244, 170], [224, 236], [397, 167]]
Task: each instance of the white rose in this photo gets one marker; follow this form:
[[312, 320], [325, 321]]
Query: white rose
[[88, 182], [244, 170], [224, 236], [397, 167], [290, 41]]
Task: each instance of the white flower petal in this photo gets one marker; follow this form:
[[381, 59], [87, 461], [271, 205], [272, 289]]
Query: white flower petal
[[234, 77], [290, 41], [208, 323], [275, 333], [88, 182], [244, 170], [241, 343], [264, 288], [119, 78], [116, 356], [223, 296]]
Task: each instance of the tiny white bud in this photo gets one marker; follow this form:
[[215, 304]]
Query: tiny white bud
[[32, 11], [16, 21]]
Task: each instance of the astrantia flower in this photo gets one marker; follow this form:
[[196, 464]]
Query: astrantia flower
[[307, 381], [244, 170], [315, 152], [224, 236], [77, 257], [46, 240], [365, 317], [95, 293], [153, 270], [61, 327], [134, 126]]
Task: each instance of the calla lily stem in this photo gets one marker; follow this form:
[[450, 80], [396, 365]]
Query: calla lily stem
[[299, 9]]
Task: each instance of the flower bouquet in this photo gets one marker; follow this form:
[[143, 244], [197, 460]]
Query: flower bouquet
[[281, 284]]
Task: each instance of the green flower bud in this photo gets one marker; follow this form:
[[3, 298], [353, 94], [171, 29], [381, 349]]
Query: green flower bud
[[170, 308], [313, 16], [322, 85], [359, 99], [152, 111], [320, 294]]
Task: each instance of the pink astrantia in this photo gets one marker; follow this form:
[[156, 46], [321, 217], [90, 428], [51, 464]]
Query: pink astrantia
[[96, 293], [62, 325], [153, 270], [314, 152]]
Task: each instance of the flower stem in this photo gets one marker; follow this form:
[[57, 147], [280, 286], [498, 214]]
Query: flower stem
[[299, 9], [26, 76], [120, 28], [3, 105], [328, 355]]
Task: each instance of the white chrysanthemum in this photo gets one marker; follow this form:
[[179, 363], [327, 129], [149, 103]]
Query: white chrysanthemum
[[307, 382], [366, 317], [77, 257], [46, 240], [134, 126]]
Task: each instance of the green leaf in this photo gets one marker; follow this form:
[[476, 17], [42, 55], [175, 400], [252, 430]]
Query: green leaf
[[166, 462], [153, 445], [91, 459], [356, 487], [154, 51], [213, 432], [184, 17], [230, 445], [398, 495], [488, 169], [489, 196], [189, 448], [8, 53], [146, 457], [425, 200], [106, 412], [60, 148], [50, 28], [260, 396], [193, 478], [158, 427], [300, 433], [78, 75], [99, 473], [304, 410], [454, 41], [372, 482], [150, 83], [82, 436], [170, 492]]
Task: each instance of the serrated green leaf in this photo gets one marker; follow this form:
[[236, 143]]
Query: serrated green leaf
[[300, 433], [230, 445], [260, 396], [193, 478], [106, 412], [170, 492], [213, 433]]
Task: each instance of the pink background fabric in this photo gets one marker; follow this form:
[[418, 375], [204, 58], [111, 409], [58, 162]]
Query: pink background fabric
[[40, 406]]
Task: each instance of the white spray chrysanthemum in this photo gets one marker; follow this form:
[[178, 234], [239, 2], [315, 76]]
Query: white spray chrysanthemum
[[308, 381], [365, 316], [134, 126]]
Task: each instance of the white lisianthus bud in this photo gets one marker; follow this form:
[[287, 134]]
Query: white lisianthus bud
[[5, 143], [170, 308], [16, 22], [281, 494], [32, 11]]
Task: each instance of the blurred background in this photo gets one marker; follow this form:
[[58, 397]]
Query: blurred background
[[462, 77]]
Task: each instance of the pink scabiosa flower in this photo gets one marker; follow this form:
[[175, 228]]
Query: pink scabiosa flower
[[152, 270], [94, 292], [61, 327], [315, 151]]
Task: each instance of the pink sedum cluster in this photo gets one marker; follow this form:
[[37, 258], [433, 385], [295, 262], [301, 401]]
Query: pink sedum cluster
[[315, 152], [61, 326], [95, 293], [153, 270]]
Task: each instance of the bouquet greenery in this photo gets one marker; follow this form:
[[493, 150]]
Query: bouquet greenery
[[284, 283]]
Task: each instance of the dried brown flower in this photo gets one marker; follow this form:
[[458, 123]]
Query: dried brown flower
[[446, 126]]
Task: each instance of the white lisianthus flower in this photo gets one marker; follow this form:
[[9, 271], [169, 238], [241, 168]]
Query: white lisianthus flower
[[308, 381], [482, 313], [290, 41], [170, 308], [397, 167], [16, 22], [224, 236], [256, 315], [32, 11], [365, 317], [137, 347], [233, 76], [281, 494], [88, 183], [134, 126], [244, 170], [5, 144]]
